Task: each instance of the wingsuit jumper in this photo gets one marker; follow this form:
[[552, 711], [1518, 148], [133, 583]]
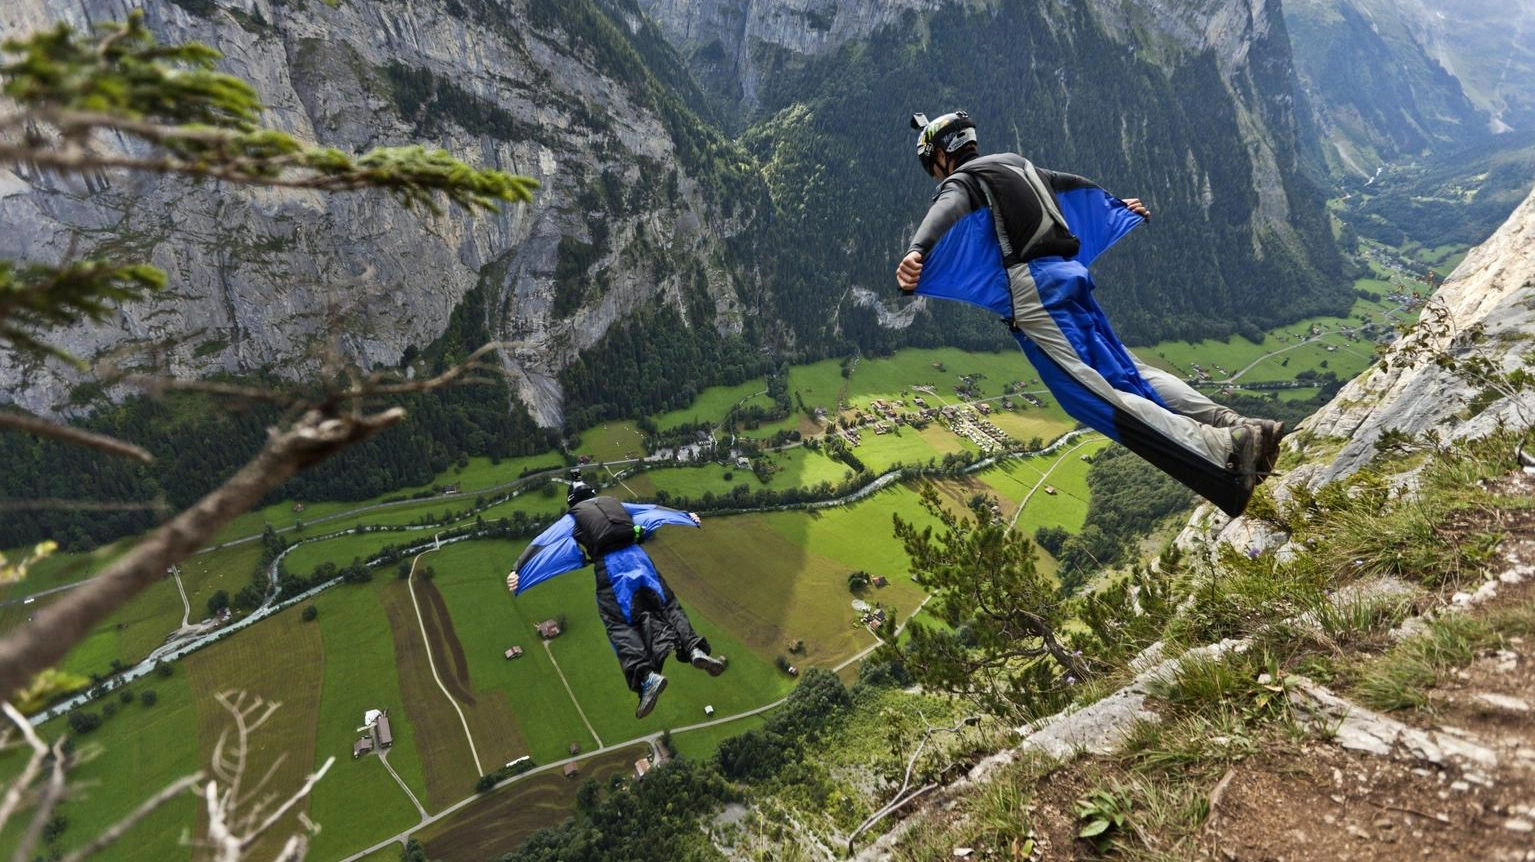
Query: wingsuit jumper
[[1016, 240], [644, 622]]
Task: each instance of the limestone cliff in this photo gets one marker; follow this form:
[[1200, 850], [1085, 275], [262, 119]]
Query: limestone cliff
[[1493, 290], [260, 279], [1485, 310]]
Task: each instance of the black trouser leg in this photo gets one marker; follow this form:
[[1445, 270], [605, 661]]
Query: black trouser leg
[[627, 639], [681, 637]]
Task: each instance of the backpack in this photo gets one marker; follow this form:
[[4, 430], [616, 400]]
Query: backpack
[[603, 525]]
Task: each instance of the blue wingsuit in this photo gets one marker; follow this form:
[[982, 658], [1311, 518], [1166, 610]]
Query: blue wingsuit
[[641, 614], [1016, 240]]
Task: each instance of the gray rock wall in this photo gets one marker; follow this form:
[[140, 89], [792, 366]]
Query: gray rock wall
[[265, 279]]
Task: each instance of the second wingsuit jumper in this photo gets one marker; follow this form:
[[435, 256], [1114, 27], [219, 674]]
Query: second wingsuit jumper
[[1016, 240], [643, 619]]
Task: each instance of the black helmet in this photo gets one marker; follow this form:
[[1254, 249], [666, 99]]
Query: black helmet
[[947, 134], [578, 491]]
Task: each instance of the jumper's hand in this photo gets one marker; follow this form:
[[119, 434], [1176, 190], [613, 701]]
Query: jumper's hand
[[694, 516], [910, 269], [1138, 208], [511, 581]]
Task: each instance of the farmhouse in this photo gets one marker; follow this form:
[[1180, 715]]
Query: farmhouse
[[514, 652], [381, 730], [641, 767], [571, 770], [363, 745], [548, 630], [708, 709]]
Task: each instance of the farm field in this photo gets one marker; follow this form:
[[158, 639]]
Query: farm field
[[501, 821], [612, 441], [1347, 360], [144, 742], [487, 621], [713, 403]]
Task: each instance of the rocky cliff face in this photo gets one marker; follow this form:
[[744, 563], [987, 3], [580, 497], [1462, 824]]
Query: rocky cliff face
[[644, 203], [262, 280], [1485, 311], [1493, 291], [738, 43]]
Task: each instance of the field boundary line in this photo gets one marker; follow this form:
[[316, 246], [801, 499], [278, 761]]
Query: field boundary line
[[568, 690], [432, 662]]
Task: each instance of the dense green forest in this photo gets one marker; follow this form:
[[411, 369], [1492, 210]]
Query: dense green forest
[[201, 440], [836, 151]]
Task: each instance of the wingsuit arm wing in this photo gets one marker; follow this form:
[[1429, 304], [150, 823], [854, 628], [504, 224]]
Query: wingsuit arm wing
[[552, 552], [1097, 218], [650, 517]]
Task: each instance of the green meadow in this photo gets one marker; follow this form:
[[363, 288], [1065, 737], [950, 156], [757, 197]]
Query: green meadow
[[136, 751], [506, 816], [612, 441], [713, 403]]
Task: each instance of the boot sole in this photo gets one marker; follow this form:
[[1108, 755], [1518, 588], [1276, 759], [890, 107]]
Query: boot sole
[[715, 666], [647, 704]]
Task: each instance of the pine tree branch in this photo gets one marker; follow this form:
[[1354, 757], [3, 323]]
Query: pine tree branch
[[314, 437], [29, 773]]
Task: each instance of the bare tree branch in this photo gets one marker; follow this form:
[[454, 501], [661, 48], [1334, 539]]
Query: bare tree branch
[[237, 820], [314, 437], [55, 431], [277, 814], [53, 793], [149, 806], [13, 794]]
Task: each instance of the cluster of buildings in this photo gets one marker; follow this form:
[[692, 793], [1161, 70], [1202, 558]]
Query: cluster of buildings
[[976, 428], [376, 733]]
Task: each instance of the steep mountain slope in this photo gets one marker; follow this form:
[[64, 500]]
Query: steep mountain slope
[[637, 192], [1189, 106], [659, 255], [1378, 92]]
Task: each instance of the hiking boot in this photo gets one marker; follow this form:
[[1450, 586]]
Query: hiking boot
[[650, 692], [704, 661], [1272, 432], [1246, 450]]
